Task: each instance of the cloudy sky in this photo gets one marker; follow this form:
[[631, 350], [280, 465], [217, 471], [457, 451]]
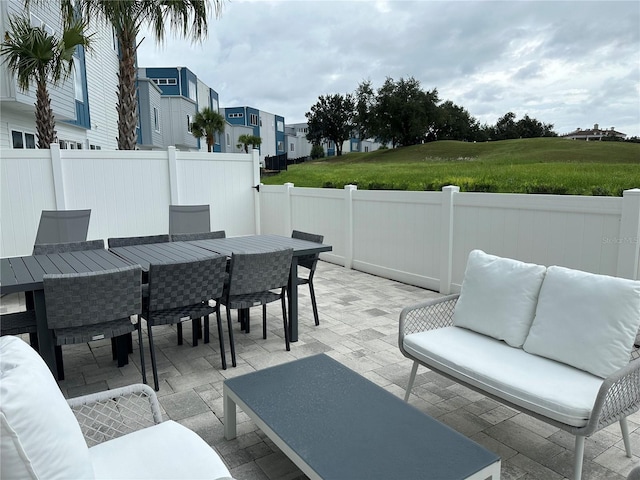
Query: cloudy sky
[[572, 63]]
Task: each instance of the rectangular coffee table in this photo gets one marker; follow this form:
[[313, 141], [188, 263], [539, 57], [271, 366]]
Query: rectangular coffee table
[[335, 424]]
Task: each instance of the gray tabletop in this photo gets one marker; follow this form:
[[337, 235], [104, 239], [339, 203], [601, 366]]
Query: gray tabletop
[[260, 244], [346, 427]]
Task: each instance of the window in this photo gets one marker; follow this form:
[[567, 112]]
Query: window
[[22, 139], [165, 81], [70, 145], [78, 84], [253, 119], [354, 146], [236, 115], [156, 119], [281, 146], [189, 122], [280, 126], [291, 147], [228, 140], [95, 147], [193, 93], [38, 22]]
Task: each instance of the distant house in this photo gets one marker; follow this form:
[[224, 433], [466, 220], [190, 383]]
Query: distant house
[[169, 98], [594, 133], [299, 146], [267, 126]]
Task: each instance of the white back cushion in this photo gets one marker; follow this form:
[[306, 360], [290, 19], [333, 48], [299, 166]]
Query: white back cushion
[[40, 437], [498, 297], [585, 320]]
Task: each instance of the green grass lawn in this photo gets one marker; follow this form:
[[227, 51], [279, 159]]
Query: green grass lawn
[[538, 165]]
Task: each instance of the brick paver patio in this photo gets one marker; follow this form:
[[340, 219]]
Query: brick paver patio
[[358, 327]]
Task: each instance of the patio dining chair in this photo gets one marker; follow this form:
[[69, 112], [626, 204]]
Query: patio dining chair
[[84, 307], [189, 219], [309, 262], [63, 226], [253, 277], [181, 291]]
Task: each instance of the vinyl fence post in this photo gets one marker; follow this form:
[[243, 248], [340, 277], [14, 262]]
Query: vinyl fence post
[[287, 209], [58, 179], [629, 238], [174, 192], [256, 194], [446, 239], [348, 197]]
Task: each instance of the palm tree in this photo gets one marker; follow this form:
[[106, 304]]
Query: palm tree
[[246, 140], [206, 124], [186, 17], [34, 55]]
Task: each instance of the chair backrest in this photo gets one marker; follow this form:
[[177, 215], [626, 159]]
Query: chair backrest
[[80, 299], [258, 272], [187, 237], [189, 219], [308, 261], [128, 241], [44, 248], [62, 226], [181, 284]]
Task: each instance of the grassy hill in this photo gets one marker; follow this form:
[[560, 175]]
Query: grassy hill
[[538, 165]]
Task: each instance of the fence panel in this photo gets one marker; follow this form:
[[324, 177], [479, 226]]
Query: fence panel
[[128, 192]]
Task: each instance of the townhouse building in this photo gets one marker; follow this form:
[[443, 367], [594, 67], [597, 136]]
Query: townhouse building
[[83, 105], [268, 126], [169, 98], [298, 145]]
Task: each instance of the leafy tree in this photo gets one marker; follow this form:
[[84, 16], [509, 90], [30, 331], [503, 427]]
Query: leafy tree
[[403, 113], [317, 151], [207, 123], [455, 123], [531, 128], [506, 127], [246, 140], [35, 56], [331, 119], [186, 17], [363, 120]]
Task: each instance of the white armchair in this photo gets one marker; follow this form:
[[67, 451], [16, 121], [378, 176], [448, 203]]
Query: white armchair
[[115, 434]]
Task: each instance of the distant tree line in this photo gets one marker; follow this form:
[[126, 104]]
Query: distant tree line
[[403, 114]]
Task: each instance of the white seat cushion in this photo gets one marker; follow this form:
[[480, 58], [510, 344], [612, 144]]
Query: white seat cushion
[[40, 437], [165, 451], [498, 297], [549, 388], [585, 320]]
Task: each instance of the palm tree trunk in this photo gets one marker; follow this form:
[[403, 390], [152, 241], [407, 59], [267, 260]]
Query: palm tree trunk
[[45, 123], [127, 102]]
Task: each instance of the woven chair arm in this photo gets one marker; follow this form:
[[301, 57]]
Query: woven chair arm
[[619, 396], [113, 413], [429, 315]]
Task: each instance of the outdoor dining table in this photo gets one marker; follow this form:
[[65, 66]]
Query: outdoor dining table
[[144, 255], [24, 274]]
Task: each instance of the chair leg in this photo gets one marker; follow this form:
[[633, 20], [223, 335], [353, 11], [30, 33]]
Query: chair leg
[[231, 343], [314, 305], [579, 455], [624, 426], [223, 356], [264, 321], [179, 330], [286, 325], [59, 362], [33, 341], [142, 365], [206, 336], [195, 323], [412, 378], [154, 367], [122, 350]]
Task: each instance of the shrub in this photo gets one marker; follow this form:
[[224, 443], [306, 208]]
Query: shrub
[[317, 151]]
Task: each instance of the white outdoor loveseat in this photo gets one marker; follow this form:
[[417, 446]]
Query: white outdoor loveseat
[[41, 435], [555, 343]]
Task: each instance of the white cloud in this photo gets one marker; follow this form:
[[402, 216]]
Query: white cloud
[[566, 63]]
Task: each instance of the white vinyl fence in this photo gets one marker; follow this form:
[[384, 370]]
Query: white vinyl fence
[[128, 192], [424, 238]]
